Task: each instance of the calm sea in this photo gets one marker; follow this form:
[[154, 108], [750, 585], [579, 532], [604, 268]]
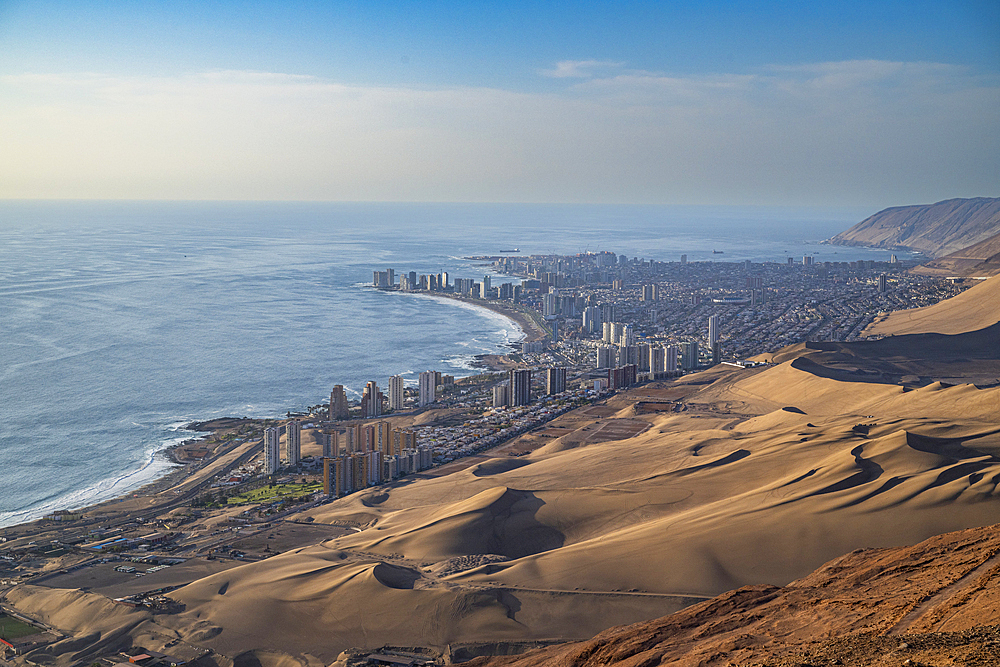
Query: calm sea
[[122, 321]]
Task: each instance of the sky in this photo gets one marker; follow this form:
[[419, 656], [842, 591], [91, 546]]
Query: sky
[[861, 104]]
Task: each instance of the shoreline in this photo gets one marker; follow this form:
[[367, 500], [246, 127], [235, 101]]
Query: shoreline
[[530, 329], [180, 467]]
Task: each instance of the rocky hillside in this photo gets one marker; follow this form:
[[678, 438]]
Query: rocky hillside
[[935, 229], [981, 259], [936, 603]]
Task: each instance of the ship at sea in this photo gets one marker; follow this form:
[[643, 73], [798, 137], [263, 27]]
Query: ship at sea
[[514, 250]]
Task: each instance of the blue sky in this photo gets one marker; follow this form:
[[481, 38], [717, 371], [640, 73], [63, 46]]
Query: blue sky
[[799, 103]]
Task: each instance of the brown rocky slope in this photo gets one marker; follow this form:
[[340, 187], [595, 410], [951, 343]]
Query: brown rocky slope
[[933, 229], [981, 259], [935, 603]]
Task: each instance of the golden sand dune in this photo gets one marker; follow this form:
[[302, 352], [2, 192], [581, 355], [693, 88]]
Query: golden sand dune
[[705, 500], [935, 603], [322, 601], [975, 308], [751, 477]]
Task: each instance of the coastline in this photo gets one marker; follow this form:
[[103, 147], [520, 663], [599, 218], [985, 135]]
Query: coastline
[[179, 466], [530, 329]]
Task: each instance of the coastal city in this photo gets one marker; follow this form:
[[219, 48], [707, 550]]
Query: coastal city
[[593, 323]]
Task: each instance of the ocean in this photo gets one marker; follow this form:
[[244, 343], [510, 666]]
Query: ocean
[[122, 321]]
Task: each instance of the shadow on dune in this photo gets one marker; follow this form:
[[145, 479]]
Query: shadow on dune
[[497, 466]]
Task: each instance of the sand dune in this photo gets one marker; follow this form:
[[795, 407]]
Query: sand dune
[[973, 309], [756, 477], [929, 604], [697, 504]]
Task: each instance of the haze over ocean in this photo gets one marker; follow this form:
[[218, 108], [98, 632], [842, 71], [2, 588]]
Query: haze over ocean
[[121, 321]]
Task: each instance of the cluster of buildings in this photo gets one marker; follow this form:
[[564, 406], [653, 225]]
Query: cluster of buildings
[[516, 390], [354, 455]]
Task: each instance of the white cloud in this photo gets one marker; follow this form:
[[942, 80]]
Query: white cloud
[[830, 133], [578, 69]]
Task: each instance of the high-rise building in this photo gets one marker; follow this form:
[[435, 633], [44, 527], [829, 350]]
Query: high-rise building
[[338, 403], [549, 302], [293, 442], [352, 439], [609, 332], [628, 354], [713, 330], [501, 395], [555, 381], [626, 336], [272, 450], [520, 387], [609, 313], [882, 282], [591, 319], [807, 260], [443, 280], [684, 259], [656, 359], [371, 400], [670, 359], [622, 376], [396, 392], [644, 358], [617, 333], [428, 388], [605, 356], [689, 355], [331, 444], [650, 292]]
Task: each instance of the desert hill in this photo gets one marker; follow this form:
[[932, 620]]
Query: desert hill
[[933, 229], [980, 259], [935, 603], [975, 308]]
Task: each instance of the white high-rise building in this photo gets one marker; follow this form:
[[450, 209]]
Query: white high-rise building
[[549, 302], [293, 442], [713, 330], [396, 392], [656, 359], [617, 333], [627, 336], [591, 319], [428, 388], [606, 356], [272, 450], [608, 329], [670, 359], [501, 395]]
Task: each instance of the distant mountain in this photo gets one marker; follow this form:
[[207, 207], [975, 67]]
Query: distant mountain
[[981, 259], [933, 229]]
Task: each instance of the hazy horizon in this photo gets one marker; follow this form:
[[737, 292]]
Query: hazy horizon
[[860, 105]]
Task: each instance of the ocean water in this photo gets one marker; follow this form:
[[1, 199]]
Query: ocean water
[[122, 321]]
